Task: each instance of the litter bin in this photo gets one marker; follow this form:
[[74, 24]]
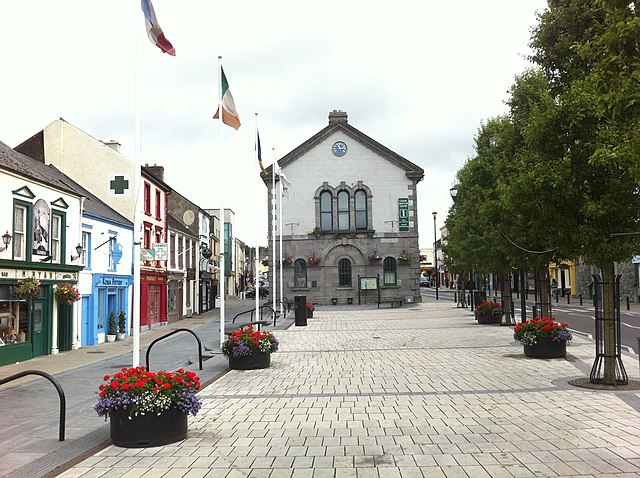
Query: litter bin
[[300, 301]]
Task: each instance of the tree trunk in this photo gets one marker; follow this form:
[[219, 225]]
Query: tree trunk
[[541, 275], [505, 292], [609, 312]]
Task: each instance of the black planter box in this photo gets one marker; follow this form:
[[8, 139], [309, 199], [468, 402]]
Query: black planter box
[[257, 359], [147, 430], [546, 348]]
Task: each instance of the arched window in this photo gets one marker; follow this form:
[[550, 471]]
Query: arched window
[[326, 211], [343, 211], [390, 268], [361, 209], [344, 273], [300, 273]]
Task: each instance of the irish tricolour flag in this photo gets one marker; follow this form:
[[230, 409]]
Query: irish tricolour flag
[[230, 115]]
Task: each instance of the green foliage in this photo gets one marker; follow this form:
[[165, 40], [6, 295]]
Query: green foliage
[[111, 328], [122, 322], [560, 172]]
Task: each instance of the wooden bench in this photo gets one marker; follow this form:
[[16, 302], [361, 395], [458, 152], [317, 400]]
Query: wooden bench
[[391, 301]]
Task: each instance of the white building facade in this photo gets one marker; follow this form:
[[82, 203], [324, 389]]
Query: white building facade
[[349, 219]]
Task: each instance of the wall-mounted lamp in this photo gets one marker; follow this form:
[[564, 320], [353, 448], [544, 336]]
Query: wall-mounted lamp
[[6, 240], [79, 251]]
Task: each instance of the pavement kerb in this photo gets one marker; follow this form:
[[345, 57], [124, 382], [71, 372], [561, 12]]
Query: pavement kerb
[[73, 359]]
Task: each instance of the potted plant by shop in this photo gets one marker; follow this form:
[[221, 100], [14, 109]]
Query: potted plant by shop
[[122, 325], [111, 327], [148, 408], [488, 312], [249, 349], [543, 337]]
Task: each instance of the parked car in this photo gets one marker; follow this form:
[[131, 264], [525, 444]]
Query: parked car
[[251, 293], [424, 281]]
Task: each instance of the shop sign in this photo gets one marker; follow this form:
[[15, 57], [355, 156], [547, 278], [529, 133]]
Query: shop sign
[[161, 249], [403, 214]]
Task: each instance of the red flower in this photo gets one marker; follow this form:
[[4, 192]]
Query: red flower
[[166, 385], [106, 377]]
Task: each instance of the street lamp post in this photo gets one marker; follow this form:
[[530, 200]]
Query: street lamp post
[[435, 251]]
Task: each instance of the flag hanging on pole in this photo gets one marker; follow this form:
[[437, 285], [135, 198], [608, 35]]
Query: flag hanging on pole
[[259, 149], [153, 29], [230, 115], [285, 182]]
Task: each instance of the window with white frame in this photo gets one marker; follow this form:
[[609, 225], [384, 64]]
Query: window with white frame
[[343, 211], [56, 238], [360, 199], [20, 214], [85, 257]]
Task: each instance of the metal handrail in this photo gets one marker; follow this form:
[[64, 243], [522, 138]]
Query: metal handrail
[[63, 401], [169, 335], [251, 312], [274, 314]]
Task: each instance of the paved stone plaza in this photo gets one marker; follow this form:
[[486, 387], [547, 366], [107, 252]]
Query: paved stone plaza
[[409, 392]]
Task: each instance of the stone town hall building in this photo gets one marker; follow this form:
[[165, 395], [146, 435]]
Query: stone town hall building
[[349, 219]]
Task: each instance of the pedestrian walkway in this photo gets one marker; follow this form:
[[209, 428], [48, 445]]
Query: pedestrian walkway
[[29, 427], [419, 391]]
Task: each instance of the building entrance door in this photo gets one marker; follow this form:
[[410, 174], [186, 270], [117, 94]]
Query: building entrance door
[[39, 329]]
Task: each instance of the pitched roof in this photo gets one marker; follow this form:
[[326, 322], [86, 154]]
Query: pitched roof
[[338, 122], [11, 160], [47, 174]]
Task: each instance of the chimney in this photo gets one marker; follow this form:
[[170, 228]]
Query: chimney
[[157, 171], [337, 116], [113, 144]]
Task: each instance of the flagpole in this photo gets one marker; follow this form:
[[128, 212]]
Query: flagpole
[[222, 235], [273, 227], [137, 151], [280, 235], [256, 282]]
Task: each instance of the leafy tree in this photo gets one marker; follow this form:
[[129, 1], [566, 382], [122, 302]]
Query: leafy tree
[[589, 51]]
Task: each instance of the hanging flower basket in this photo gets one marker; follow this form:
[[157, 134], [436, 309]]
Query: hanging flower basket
[[314, 261], [375, 258], [287, 261], [67, 293], [27, 288], [405, 258]]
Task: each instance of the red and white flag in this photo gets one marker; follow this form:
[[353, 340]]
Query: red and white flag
[[153, 29]]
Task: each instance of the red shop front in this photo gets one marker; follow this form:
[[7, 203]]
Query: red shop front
[[153, 299]]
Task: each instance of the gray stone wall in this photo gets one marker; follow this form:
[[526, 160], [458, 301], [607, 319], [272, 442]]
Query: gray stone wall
[[628, 280], [322, 279]]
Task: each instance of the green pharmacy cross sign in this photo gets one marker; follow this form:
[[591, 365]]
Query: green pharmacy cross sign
[[403, 214]]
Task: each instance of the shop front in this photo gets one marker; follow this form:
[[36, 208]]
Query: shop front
[[30, 326], [153, 299]]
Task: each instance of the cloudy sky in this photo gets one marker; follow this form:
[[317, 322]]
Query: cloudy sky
[[419, 76]]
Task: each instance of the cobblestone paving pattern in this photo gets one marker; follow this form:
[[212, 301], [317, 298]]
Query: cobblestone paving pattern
[[419, 391]]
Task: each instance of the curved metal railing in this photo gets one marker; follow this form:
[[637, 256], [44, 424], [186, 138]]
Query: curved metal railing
[[63, 401], [169, 335]]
